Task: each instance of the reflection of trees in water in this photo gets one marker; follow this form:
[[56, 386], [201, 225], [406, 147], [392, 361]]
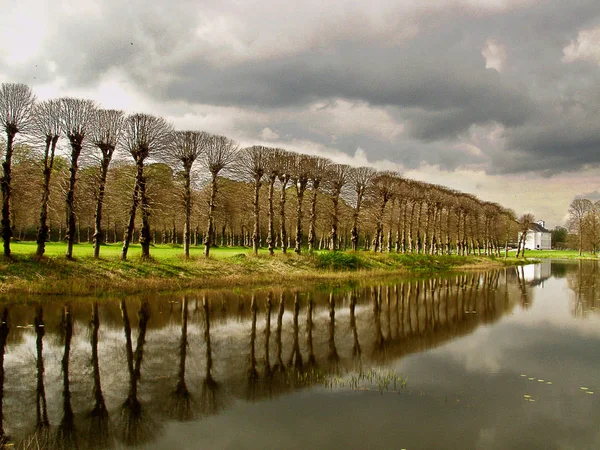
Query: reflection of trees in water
[[41, 405], [520, 271], [181, 396], [135, 427], [356, 350], [295, 359], [99, 428], [279, 347], [379, 339], [584, 281], [393, 320], [332, 355], [267, 361], [252, 372], [3, 336], [66, 436], [311, 363], [210, 396]]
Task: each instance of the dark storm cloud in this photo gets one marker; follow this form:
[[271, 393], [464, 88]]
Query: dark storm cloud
[[433, 81]]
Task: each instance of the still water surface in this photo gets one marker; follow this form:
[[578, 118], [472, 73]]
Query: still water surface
[[499, 359]]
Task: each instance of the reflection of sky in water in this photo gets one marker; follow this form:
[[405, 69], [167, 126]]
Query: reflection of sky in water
[[468, 393]]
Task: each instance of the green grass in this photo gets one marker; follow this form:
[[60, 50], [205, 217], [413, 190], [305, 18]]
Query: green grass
[[163, 251], [558, 254], [167, 269]]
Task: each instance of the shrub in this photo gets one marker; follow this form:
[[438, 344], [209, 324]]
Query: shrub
[[338, 261]]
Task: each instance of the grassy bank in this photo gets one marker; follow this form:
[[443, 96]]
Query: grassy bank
[[557, 254], [227, 267]]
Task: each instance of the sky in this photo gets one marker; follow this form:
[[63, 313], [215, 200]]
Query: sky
[[500, 98]]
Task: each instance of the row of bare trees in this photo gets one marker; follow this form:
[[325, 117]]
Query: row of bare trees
[[190, 168]]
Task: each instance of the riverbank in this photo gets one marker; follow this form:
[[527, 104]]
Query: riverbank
[[227, 267], [557, 254]]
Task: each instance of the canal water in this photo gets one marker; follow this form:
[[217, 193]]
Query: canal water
[[498, 359]]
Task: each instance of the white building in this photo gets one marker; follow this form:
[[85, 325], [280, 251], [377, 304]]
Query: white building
[[538, 237]]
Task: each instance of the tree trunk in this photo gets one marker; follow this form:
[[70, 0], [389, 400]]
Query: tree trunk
[[6, 166], [410, 228], [145, 238], [256, 214], [354, 232], [43, 231], [313, 218], [208, 238], [426, 235], [131, 224], [98, 232], [300, 198], [379, 227], [188, 211], [283, 231], [271, 232], [333, 235], [76, 145]]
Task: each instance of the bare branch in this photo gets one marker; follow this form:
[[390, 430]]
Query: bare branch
[[107, 129], [16, 107], [77, 117], [47, 119]]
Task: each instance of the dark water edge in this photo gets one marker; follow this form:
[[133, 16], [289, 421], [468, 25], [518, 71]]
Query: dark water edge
[[443, 362]]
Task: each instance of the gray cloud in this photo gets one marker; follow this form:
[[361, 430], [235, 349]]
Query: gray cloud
[[423, 68]]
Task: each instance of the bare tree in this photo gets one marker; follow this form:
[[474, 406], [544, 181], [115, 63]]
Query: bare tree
[[185, 149], [338, 177], [144, 136], [318, 170], [285, 175], [360, 178], [108, 125], [273, 170], [300, 174], [253, 164], [46, 124], [383, 190], [220, 153], [524, 222], [16, 108], [578, 210], [76, 119]]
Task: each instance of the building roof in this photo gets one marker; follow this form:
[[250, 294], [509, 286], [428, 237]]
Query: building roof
[[538, 228]]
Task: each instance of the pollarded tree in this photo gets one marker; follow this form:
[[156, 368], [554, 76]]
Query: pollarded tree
[[360, 179], [105, 134], [185, 149], [318, 170], [285, 175], [220, 153], [274, 166], [77, 118], [383, 187], [252, 164], [46, 125], [16, 111], [300, 175], [337, 177], [144, 136]]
